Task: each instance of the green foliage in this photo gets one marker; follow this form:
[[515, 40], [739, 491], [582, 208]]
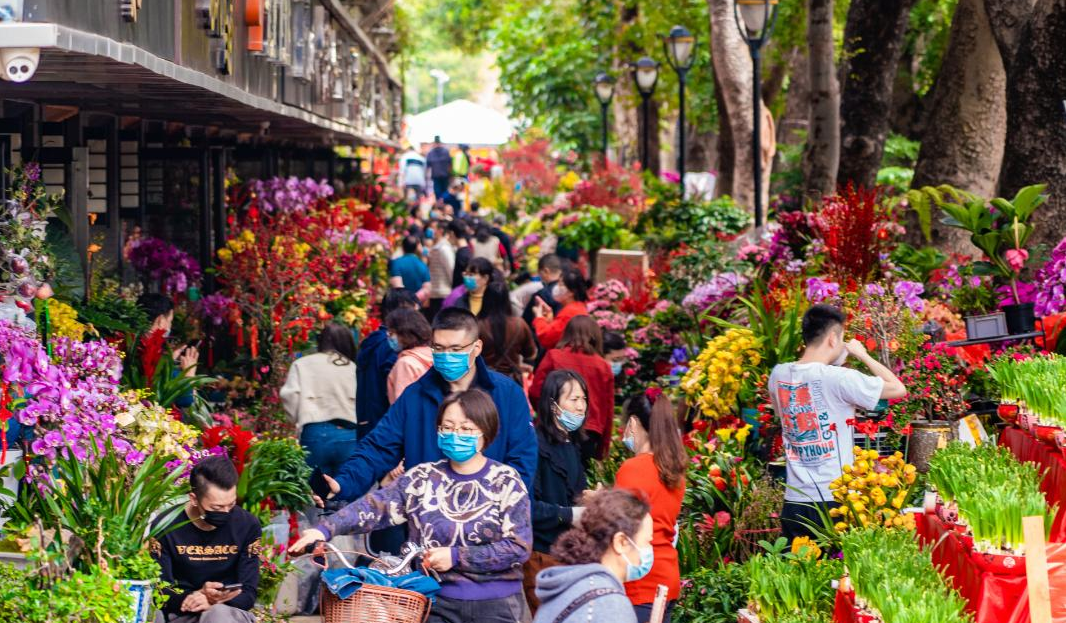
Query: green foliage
[[94, 596], [971, 300], [997, 232], [595, 229], [670, 221], [277, 470], [712, 595], [927, 40], [167, 383], [918, 264], [922, 201], [779, 329], [106, 503], [897, 579], [139, 566], [784, 585]]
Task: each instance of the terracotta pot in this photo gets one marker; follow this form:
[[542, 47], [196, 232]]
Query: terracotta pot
[[928, 437]]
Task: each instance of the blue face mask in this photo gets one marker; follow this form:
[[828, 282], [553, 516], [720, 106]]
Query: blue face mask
[[569, 420], [394, 343], [458, 448], [616, 367], [429, 233], [452, 366], [630, 444], [647, 559], [470, 283]]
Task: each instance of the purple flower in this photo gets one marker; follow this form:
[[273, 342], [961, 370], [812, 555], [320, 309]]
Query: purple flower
[[910, 293], [875, 289], [161, 261], [819, 290], [721, 287], [215, 308]]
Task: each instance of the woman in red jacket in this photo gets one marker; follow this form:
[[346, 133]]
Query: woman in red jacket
[[570, 292], [581, 350], [658, 472]]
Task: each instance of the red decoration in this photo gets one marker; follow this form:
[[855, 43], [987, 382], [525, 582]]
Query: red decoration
[[151, 348]]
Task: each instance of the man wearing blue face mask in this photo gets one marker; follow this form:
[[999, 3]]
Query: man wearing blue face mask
[[408, 432]]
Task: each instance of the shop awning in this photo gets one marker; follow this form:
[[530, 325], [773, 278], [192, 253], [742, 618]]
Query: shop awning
[[93, 72]]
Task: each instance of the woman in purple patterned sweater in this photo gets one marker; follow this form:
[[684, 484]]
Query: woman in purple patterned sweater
[[472, 512]]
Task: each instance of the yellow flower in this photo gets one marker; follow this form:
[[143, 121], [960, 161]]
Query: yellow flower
[[724, 433], [225, 255], [742, 434]]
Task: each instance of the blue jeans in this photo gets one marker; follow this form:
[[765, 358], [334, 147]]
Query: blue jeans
[[328, 445], [440, 184]]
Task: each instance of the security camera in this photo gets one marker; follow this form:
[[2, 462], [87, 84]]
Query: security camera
[[19, 64]]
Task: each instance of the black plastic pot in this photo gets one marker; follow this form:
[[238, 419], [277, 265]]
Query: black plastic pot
[[1020, 318]]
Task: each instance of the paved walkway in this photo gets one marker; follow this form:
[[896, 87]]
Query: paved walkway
[[314, 619]]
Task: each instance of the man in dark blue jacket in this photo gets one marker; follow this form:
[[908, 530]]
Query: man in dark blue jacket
[[373, 364], [408, 432]]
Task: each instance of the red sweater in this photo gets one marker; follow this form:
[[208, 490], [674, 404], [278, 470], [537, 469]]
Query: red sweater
[[640, 474], [597, 374], [550, 332]]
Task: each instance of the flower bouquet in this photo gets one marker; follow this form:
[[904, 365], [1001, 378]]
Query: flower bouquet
[[872, 491], [717, 376]]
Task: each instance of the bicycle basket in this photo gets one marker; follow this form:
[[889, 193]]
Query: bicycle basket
[[375, 604]]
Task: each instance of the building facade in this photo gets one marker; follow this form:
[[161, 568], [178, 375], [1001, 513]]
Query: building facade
[[138, 109]]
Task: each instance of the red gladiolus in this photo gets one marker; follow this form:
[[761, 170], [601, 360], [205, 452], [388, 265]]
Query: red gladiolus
[[151, 348]]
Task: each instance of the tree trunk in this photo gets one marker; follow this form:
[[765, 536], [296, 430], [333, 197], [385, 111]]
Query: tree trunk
[[963, 141], [795, 121], [873, 43], [1008, 19], [822, 157], [723, 184], [1036, 132], [625, 115], [653, 134], [732, 66]]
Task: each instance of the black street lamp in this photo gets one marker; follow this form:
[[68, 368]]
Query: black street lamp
[[604, 92], [680, 45], [645, 76], [758, 23]]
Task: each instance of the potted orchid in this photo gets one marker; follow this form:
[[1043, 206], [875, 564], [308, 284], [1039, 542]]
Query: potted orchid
[[1000, 229]]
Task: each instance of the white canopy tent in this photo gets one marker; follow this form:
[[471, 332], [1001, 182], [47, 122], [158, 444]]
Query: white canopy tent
[[460, 122]]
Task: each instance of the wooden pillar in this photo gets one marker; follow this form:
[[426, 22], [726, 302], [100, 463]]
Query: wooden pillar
[[78, 203]]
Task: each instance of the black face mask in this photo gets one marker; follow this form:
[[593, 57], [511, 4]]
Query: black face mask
[[216, 518]]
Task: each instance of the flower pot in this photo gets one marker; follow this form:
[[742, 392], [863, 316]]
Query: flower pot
[[1020, 318], [1008, 413], [986, 326], [142, 600], [926, 438], [1046, 433], [1001, 564]]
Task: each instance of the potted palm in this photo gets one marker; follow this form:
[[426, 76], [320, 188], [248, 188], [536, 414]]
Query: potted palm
[[1000, 229]]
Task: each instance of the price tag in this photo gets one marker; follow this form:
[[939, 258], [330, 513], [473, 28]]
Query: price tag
[[971, 431]]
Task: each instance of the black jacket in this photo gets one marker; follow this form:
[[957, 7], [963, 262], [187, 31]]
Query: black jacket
[[559, 480]]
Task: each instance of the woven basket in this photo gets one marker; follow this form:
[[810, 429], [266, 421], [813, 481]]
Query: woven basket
[[375, 604]]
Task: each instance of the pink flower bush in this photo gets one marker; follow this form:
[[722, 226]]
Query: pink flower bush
[[608, 294]]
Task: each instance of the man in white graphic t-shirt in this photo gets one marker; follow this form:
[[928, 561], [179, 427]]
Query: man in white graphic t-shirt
[[815, 398]]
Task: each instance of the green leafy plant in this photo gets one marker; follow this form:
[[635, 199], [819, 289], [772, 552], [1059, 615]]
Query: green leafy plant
[[1001, 233], [973, 300], [895, 579], [107, 504], [167, 383], [90, 596], [918, 264], [1037, 381], [277, 470], [789, 583], [712, 594], [777, 325], [992, 491], [597, 228]]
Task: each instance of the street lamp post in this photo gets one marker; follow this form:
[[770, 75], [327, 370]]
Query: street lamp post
[[758, 17], [604, 92], [680, 45], [441, 78], [646, 76]]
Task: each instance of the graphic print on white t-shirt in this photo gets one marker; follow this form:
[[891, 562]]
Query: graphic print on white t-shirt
[[805, 423]]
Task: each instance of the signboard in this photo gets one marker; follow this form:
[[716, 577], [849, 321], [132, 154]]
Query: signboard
[[216, 17], [971, 431]]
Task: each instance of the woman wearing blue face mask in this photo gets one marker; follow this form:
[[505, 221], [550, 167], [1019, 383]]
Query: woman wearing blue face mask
[[408, 334], [472, 512], [476, 277], [657, 472], [607, 551], [560, 477]]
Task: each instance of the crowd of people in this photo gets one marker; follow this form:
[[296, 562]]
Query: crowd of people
[[467, 422]]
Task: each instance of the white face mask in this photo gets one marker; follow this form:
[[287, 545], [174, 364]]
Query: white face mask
[[842, 358]]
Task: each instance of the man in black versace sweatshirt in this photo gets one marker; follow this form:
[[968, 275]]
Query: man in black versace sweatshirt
[[215, 545]]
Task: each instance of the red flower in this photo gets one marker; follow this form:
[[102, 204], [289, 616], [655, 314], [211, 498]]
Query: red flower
[[906, 430], [722, 519], [151, 350], [720, 484], [833, 427]]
